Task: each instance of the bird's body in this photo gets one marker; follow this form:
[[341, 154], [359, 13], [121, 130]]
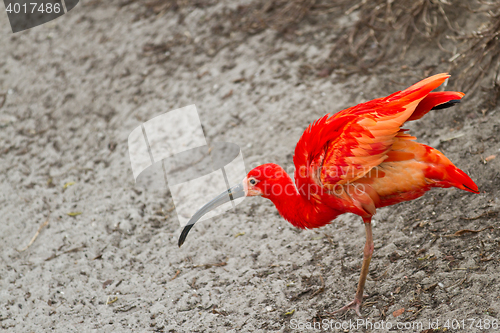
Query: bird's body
[[358, 160]]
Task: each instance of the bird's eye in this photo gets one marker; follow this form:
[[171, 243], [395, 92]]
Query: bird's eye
[[253, 181]]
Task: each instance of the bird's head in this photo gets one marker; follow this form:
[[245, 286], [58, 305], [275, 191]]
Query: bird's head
[[267, 180]]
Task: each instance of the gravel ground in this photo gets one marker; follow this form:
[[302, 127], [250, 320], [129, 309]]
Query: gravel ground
[[107, 259]]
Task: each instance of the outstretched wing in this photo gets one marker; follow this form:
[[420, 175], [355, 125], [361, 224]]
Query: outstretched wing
[[338, 149]]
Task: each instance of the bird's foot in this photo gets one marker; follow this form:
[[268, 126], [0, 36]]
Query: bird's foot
[[354, 305]]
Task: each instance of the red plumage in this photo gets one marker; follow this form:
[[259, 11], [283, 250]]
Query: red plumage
[[358, 160]]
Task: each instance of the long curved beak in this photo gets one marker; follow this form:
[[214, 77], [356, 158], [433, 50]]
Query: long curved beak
[[234, 192]]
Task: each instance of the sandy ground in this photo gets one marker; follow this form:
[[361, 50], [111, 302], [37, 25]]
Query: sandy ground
[[76, 87]]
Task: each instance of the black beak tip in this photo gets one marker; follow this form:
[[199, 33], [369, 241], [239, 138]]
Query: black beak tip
[[184, 234]]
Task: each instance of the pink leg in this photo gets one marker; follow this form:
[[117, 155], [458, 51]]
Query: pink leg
[[367, 256]]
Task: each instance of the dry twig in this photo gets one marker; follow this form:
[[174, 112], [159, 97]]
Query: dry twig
[[35, 236], [465, 231]]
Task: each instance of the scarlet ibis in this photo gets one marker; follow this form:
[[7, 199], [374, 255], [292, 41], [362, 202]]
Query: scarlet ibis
[[355, 161]]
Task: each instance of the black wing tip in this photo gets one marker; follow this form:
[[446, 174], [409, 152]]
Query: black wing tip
[[446, 105], [474, 191], [184, 234]]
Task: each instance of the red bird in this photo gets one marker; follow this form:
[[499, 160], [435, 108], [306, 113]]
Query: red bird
[[356, 161]]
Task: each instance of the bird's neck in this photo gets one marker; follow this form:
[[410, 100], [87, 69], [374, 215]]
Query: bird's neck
[[299, 209]]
